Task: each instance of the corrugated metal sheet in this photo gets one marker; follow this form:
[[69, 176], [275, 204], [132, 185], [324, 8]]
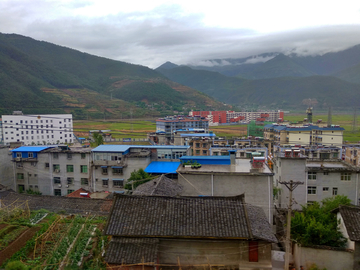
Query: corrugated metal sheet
[[31, 148], [162, 167]]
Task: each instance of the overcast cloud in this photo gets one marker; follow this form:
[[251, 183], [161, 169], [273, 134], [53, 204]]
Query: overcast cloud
[[184, 32]]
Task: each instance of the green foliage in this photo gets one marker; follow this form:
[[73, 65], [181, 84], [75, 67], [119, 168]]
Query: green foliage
[[315, 267], [16, 265], [98, 138], [30, 191], [136, 176], [316, 225]]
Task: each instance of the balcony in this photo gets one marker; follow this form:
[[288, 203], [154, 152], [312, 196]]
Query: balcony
[[109, 163], [20, 159]]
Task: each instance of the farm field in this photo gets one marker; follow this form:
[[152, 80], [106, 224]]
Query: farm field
[[344, 120], [138, 129], [45, 240]]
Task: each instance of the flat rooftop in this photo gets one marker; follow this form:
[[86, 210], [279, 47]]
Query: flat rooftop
[[241, 166]]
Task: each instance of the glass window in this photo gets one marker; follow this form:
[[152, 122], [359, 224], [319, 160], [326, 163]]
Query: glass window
[[56, 167], [57, 180], [311, 175], [20, 176], [104, 170], [83, 169], [69, 168], [335, 191], [57, 192], [118, 183], [325, 189], [117, 170], [56, 155], [70, 180], [311, 190], [105, 182], [70, 191], [84, 181], [345, 176], [83, 155]]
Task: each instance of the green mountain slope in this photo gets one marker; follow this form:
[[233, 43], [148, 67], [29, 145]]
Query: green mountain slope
[[351, 74], [211, 83], [37, 75], [284, 92], [279, 66]]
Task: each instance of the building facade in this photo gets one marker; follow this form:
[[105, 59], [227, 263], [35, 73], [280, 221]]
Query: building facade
[[38, 129]]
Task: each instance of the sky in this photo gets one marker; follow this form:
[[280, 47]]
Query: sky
[[152, 32]]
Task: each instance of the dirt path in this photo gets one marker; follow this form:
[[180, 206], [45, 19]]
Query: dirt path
[[17, 244]]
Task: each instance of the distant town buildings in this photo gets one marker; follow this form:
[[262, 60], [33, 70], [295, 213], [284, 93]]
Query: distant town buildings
[[226, 117], [42, 129]]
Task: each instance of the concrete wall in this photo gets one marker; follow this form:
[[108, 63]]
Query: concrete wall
[[40, 178], [6, 168], [287, 169], [226, 254], [323, 258], [258, 189]]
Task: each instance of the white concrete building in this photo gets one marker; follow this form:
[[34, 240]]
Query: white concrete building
[[37, 129]]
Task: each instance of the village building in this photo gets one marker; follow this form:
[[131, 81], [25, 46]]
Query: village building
[[43, 129], [321, 178], [228, 176], [188, 232]]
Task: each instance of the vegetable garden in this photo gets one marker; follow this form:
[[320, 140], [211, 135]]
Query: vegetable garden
[[45, 240]]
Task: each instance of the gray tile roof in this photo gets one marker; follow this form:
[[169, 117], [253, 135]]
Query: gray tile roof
[[351, 217], [132, 250], [58, 203], [161, 186], [186, 217]]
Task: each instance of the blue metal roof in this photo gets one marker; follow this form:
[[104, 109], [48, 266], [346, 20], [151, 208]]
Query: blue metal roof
[[124, 148], [198, 135], [31, 148], [299, 129], [162, 167]]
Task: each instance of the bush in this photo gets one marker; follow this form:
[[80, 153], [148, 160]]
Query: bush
[[16, 265]]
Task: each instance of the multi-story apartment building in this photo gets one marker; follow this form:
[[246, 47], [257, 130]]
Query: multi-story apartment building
[[321, 178], [51, 170], [304, 135], [38, 129], [352, 153], [169, 125], [223, 117], [59, 170]]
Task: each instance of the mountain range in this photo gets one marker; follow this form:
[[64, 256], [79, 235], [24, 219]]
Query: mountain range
[[40, 77], [275, 80]]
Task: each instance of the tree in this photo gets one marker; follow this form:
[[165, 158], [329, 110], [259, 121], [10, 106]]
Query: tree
[[98, 138], [136, 176], [317, 225]]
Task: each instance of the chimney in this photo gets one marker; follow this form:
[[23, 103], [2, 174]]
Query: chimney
[[232, 156]]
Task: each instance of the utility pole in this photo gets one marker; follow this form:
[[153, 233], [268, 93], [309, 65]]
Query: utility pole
[[291, 185]]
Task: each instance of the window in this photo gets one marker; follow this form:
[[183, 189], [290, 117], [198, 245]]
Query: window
[[104, 170], [47, 165], [57, 192], [57, 180], [117, 170], [311, 175], [105, 182], [345, 176], [20, 176], [84, 181], [311, 190], [326, 173], [204, 152], [70, 180], [56, 168], [325, 189], [197, 145], [69, 168], [69, 155], [31, 155], [118, 183], [56, 155], [197, 152], [70, 191], [83, 169], [335, 191]]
